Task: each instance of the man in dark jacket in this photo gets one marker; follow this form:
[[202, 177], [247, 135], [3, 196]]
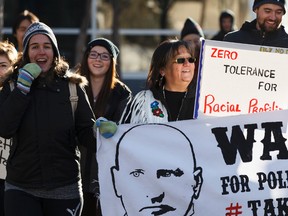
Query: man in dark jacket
[[266, 29]]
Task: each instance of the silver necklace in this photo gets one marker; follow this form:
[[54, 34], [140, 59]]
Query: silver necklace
[[182, 102]]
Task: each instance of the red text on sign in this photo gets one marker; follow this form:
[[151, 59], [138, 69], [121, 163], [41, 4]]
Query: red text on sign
[[226, 54], [210, 106]]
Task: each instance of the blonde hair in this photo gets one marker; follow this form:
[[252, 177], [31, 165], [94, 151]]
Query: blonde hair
[[8, 49]]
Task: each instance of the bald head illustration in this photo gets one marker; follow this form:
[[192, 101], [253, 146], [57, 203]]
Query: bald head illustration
[[155, 171]]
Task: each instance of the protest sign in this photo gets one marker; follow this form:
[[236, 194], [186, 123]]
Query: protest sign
[[5, 145], [240, 78], [233, 166]]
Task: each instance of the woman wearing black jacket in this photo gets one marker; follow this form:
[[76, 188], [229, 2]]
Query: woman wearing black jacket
[[108, 97], [43, 172]]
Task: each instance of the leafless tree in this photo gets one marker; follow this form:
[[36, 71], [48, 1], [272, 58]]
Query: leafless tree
[[1, 18], [115, 29], [164, 6], [81, 39], [202, 18]]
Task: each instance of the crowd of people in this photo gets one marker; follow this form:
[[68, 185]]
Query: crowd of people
[[52, 167]]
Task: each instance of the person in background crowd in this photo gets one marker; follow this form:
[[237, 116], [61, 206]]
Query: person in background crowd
[[193, 33], [170, 93], [8, 57], [22, 22], [43, 172], [108, 97], [226, 24], [266, 29]]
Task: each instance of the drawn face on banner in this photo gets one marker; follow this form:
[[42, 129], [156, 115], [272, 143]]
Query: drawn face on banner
[[163, 179]]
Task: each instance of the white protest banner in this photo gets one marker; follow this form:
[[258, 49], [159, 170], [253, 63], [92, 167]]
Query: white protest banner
[[230, 166], [240, 78], [5, 145]]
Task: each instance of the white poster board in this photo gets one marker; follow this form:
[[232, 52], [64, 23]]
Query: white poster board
[[239, 167], [240, 78], [5, 145]]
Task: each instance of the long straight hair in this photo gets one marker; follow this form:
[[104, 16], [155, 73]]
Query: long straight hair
[[109, 83]]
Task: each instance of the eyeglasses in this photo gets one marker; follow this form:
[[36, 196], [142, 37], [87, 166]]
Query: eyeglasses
[[103, 56], [182, 60]]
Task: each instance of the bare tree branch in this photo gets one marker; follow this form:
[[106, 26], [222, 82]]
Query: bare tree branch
[[81, 39]]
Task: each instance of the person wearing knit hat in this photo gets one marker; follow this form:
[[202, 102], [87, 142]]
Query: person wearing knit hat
[[108, 97], [191, 27], [193, 33], [109, 45], [43, 176], [266, 29], [40, 28], [258, 3]]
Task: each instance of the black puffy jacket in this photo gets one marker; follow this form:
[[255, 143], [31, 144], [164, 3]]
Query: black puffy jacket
[[44, 152]]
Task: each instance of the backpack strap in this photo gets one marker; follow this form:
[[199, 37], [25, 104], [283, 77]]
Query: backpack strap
[[73, 97]]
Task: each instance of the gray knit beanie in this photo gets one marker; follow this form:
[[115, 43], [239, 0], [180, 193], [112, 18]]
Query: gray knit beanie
[[111, 47], [39, 28]]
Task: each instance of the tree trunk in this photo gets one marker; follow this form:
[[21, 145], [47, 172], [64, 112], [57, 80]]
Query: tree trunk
[[164, 6], [81, 40], [115, 31], [1, 18], [202, 19]]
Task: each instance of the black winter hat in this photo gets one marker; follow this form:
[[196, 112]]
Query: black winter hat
[[258, 3], [111, 47], [191, 27], [39, 28]]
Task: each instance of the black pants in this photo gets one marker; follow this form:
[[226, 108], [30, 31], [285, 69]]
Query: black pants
[[2, 186], [91, 206], [23, 204]]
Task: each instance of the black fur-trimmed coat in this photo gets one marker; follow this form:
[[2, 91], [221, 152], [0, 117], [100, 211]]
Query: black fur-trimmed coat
[[44, 152]]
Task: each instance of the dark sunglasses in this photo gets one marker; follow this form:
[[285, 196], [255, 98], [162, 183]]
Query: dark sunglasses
[[182, 60]]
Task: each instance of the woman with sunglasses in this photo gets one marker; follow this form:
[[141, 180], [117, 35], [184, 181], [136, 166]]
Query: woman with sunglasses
[[108, 97], [170, 94]]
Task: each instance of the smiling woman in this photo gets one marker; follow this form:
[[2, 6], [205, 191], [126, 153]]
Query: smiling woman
[[171, 86], [43, 174], [108, 97]]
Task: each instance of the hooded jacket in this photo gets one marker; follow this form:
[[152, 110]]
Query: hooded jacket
[[44, 152], [221, 34], [250, 35]]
